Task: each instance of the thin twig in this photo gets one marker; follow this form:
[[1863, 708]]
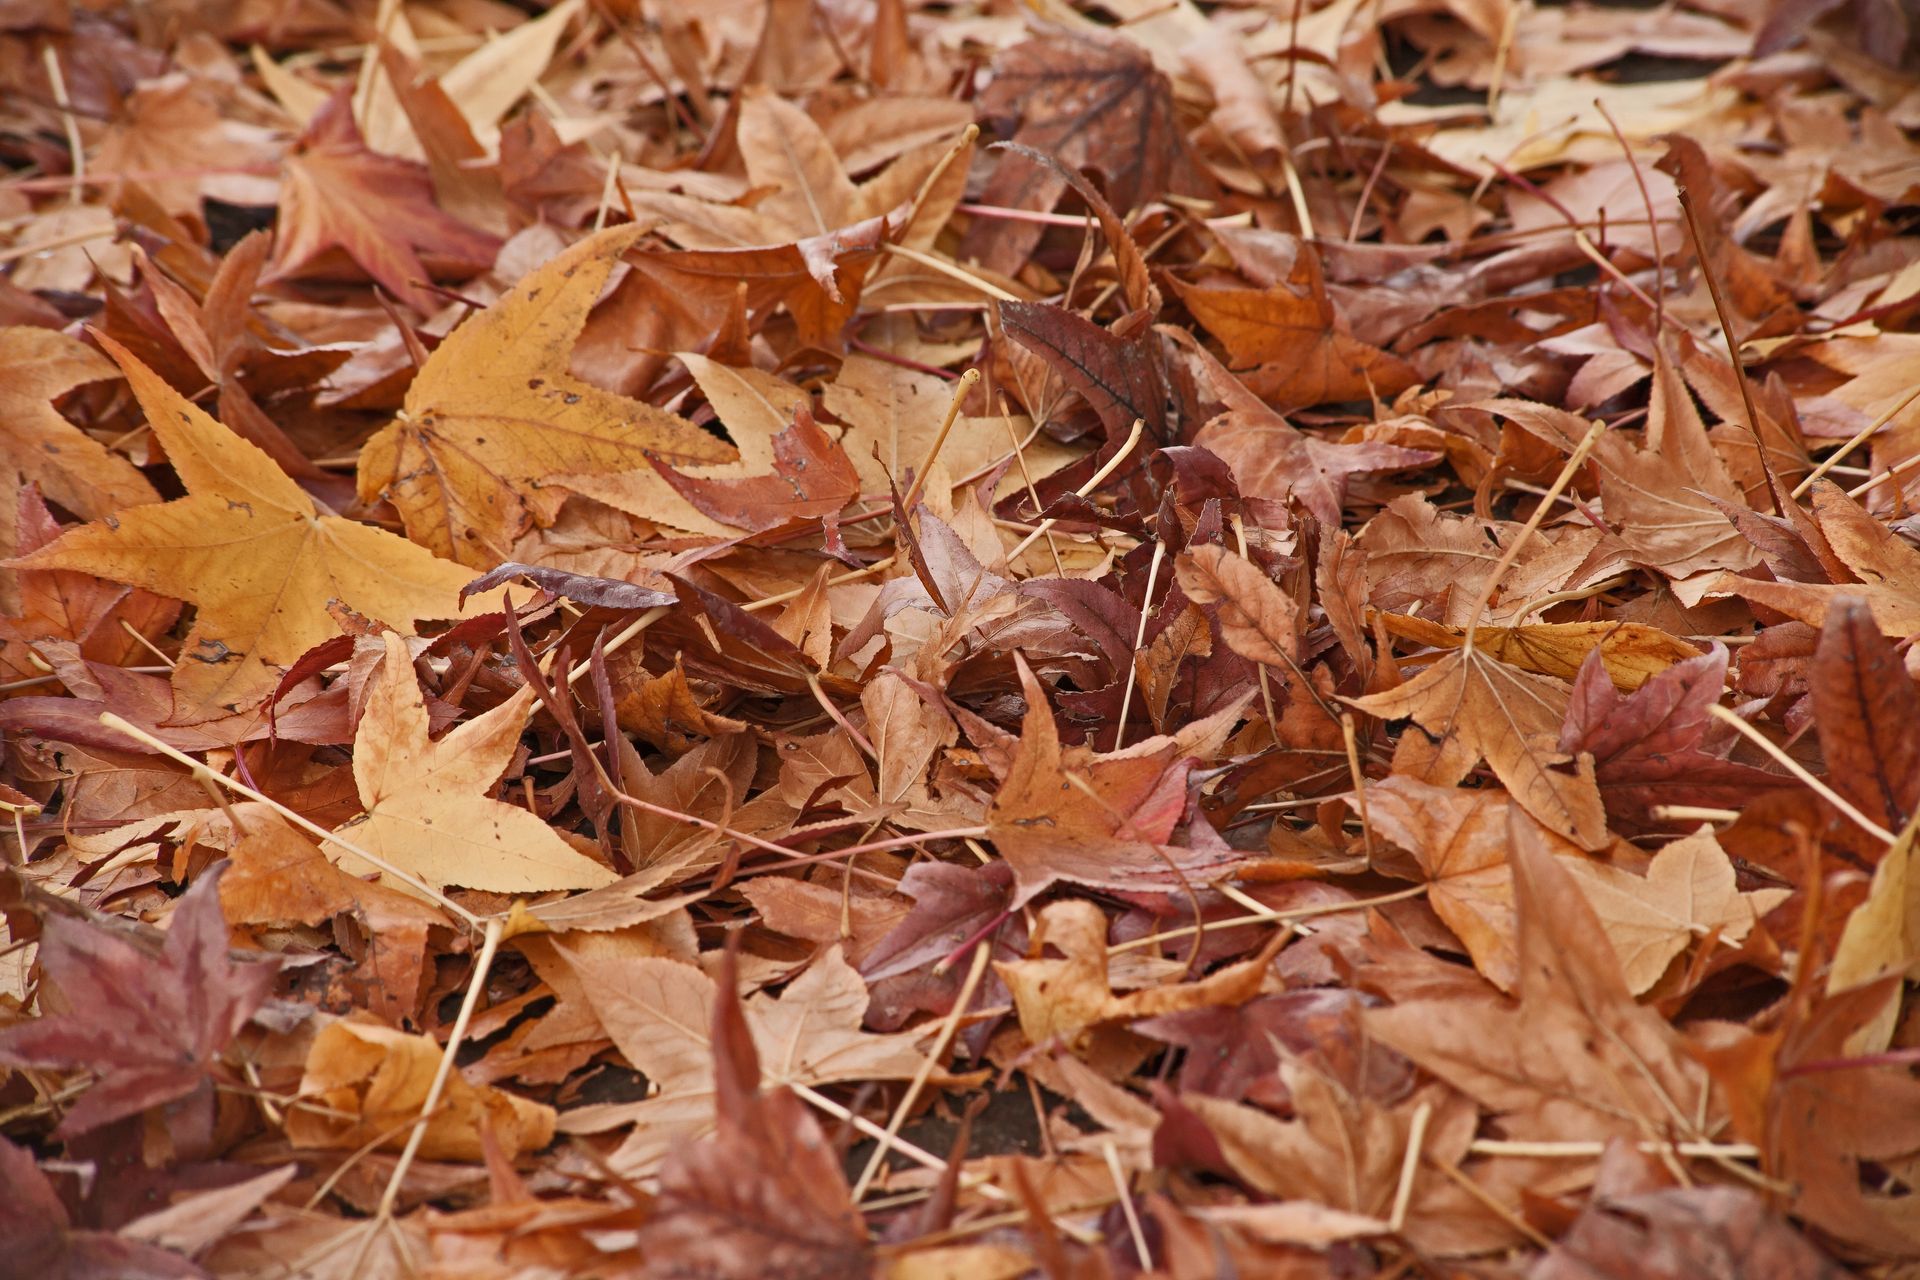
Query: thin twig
[[1094, 482], [960, 392], [948, 1027], [1139, 638], [1793, 767], [306, 824], [1855, 441]]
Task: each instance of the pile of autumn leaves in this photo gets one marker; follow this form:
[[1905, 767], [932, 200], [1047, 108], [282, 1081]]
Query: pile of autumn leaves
[[586, 856]]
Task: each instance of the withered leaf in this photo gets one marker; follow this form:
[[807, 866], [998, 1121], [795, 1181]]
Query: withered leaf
[[1512, 719], [1865, 706], [1122, 379], [1653, 746], [1575, 1057], [150, 1023], [1631, 652], [1259, 620], [427, 811], [1291, 349], [75, 470], [261, 609], [341, 194], [494, 414], [1091, 102]]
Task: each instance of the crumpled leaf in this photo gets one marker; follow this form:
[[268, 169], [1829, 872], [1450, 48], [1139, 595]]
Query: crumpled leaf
[[1574, 1058], [1631, 652], [369, 1082], [75, 470]]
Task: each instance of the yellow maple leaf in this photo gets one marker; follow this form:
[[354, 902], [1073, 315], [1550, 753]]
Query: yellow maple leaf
[[494, 415], [253, 553], [427, 810]]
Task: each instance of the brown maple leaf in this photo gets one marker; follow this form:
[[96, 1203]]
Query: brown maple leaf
[[494, 416], [1121, 378], [1092, 102], [149, 1022], [65, 605], [1107, 829], [1575, 1057], [765, 1194], [1866, 707], [1656, 745], [377, 209], [812, 477], [1511, 718], [1290, 348], [43, 1243], [1888, 569]]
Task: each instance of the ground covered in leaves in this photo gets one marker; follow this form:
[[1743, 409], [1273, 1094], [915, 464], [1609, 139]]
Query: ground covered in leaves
[[821, 638]]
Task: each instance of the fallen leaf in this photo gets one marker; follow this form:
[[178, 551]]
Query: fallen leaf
[[1574, 1058], [1064, 1000], [1881, 938], [811, 478], [1631, 652], [150, 1025], [494, 414], [427, 810], [1653, 747], [340, 194], [1290, 348], [1259, 621], [368, 1084], [766, 1191], [1680, 1232], [42, 1242], [1511, 719], [1088, 101], [260, 610], [38, 366], [1865, 706], [1689, 892]]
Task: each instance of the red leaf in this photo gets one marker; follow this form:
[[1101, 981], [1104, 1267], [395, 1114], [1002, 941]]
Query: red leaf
[[150, 1026]]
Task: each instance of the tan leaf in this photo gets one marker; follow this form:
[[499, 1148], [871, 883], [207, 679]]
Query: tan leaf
[[1631, 651], [1575, 1058], [70, 466], [1881, 937], [427, 810], [1259, 620], [1066, 999], [368, 1083], [1687, 893], [1512, 719]]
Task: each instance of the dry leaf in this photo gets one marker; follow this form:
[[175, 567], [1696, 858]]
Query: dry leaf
[[253, 553], [427, 810], [494, 415], [369, 1082]]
